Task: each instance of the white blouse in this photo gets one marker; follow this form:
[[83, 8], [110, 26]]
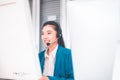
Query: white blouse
[[49, 63]]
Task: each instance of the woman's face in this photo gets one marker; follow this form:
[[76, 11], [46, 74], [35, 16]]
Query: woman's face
[[49, 34]]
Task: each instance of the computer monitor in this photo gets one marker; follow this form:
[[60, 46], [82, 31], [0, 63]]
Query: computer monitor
[[18, 54]]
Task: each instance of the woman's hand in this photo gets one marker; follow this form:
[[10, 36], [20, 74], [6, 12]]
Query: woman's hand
[[44, 78]]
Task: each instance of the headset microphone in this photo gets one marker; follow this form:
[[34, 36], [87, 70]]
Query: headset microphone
[[47, 44]]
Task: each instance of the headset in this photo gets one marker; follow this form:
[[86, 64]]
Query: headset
[[59, 32]]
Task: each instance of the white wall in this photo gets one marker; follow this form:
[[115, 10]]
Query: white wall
[[116, 66], [94, 27]]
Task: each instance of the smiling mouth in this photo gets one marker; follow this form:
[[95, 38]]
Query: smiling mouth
[[46, 41]]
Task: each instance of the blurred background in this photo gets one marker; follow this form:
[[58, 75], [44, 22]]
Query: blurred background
[[91, 29]]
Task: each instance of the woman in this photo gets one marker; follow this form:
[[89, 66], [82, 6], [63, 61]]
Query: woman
[[56, 60]]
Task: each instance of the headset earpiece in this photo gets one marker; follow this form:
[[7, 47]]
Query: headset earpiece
[[59, 35], [59, 31]]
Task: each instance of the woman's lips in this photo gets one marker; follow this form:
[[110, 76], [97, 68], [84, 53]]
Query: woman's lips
[[46, 41]]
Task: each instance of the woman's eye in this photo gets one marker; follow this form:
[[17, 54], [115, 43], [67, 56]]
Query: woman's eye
[[49, 33]]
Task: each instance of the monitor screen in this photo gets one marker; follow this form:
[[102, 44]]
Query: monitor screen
[[18, 54]]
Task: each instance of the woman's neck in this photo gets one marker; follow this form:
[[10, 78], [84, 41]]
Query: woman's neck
[[51, 48]]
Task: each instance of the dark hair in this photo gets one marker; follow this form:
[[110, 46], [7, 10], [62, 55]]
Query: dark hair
[[57, 29]]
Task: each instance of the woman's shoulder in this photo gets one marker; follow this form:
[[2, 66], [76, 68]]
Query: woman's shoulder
[[64, 50], [67, 49], [41, 53], [64, 53]]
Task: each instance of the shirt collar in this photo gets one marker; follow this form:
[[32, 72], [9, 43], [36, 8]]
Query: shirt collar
[[53, 53]]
